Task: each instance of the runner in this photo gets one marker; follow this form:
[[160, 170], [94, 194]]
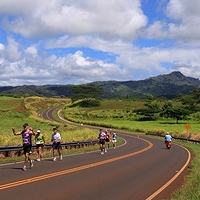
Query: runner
[[102, 138], [56, 139], [26, 134], [114, 140], [107, 139], [40, 142]]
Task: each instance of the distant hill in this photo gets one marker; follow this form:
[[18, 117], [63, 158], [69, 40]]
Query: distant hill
[[169, 85]]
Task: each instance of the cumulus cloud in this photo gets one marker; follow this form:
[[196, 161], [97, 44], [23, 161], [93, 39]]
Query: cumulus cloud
[[74, 42], [107, 19], [12, 52], [32, 50], [55, 70], [181, 24]]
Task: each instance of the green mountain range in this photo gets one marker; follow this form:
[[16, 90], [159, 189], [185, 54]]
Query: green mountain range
[[169, 85]]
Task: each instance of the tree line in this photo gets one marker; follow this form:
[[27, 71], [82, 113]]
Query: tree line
[[89, 96]]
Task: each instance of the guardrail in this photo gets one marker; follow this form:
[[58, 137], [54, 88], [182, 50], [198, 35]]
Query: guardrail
[[68, 145], [177, 138]]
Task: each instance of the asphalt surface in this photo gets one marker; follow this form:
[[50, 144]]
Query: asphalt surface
[[133, 171]]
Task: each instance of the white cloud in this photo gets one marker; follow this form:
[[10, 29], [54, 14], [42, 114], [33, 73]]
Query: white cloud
[[32, 50], [49, 18], [182, 24], [148, 61], [12, 52], [2, 47], [55, 41], [55, 70]]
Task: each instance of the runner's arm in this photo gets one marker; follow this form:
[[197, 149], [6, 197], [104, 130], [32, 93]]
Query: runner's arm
[[32, 131], [14, 132]]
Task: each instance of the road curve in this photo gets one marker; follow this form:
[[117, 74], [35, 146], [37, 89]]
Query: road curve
[[135, 171]]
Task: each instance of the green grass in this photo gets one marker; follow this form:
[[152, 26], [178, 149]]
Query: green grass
[[159, 126], [121, 114], [10, 103], [32, 107]]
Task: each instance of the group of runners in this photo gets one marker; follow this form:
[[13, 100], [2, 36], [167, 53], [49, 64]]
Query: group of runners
[[28, 132], [104, 139], [39, 140]]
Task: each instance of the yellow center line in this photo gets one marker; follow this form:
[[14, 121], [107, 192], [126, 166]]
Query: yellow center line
[[67, 171]]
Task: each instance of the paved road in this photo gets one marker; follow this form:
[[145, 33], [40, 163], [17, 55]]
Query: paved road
[[95, 176], [133, 171]]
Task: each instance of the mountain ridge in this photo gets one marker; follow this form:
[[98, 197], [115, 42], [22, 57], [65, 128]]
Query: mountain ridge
[[169, 85]]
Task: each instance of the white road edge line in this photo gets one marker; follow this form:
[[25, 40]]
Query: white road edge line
[[173, 178]]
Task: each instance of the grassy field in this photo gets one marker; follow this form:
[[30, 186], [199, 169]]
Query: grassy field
[[120, 114], [21, 110], [16, 111]]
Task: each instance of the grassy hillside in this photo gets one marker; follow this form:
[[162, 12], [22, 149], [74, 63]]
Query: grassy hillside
[[121, 114], [14, 112]]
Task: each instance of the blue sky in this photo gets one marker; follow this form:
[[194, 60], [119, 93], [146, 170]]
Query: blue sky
[[76, 42]]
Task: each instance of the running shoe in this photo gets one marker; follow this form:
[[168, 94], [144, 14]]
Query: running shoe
[[54, 159], [38, 159], [31, 163], [105, 150], [102, 152], [24, 168], [61, 157]]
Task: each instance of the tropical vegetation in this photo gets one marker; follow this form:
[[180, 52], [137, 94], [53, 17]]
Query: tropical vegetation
[[149, 114]]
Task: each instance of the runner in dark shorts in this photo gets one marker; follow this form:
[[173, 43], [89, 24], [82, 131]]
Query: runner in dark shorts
[[40, 143], [107, 146], [26, 134], [56, 144], [102, 140], [27, 148]]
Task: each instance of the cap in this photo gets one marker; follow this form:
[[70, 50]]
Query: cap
[[25, 125], [38, 131], [54, 129]]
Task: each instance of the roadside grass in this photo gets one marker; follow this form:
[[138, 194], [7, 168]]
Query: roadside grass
[[31, 114], [68, 132], [159, 126], [120, 114]]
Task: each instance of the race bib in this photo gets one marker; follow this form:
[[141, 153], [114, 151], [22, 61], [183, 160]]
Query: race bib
[[25, 141]]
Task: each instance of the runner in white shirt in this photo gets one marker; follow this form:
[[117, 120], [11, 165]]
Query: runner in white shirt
[[56, 139]]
